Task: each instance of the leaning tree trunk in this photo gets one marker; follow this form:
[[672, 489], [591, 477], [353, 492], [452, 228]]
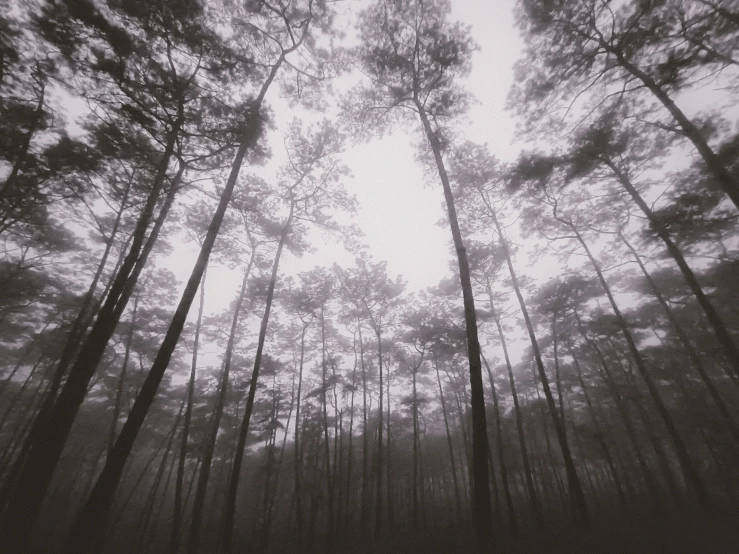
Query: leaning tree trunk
[[233, 485], [512, 519], [685, 341], [54, 424], [482, 509], [600, 436], [649, 477], [573, 480], [95, 510], [530, 485], [179, 479], [457, 498], [731, 351], [210, 445], [691, 474], [122, 377], [688, 129]]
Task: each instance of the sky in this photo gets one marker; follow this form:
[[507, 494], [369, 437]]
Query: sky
[[399, 209]]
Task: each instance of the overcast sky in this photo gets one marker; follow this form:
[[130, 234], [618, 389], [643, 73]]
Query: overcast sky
[[399, 209]]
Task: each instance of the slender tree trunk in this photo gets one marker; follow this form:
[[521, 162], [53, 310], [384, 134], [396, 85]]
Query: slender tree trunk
[[53, 425], [512, 519], [530, 486], [691, 475], [179, 480], [298, 457], [731, 351], [122, 378], [365, 439], [273, 493], [600, 436], [457, 499], [209, 447], [482, 509], [713, 162], [378, 498], [326, 445], [624, 413], [388, 458], [572, 478], [349, 509], [230, 508], [685, 341], [95, 510], [414, 492]]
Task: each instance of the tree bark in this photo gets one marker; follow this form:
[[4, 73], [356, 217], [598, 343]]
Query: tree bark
[[731, 351], [179, 480], [482, 509], [572, 478], [230, 508], [210, 444], [691, 475]]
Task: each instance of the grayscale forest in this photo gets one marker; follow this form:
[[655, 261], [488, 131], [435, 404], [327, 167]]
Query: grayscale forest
[[170, 383]]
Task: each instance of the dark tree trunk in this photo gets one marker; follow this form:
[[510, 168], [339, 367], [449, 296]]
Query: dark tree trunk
[[685, 341], [691, 475], [482, 509], [180, 478], [730, 348], [233, 485], [714, 164], [530, 486], [457, 498], [95, 511], [52, 426], [210, 445], [573, 480], [512, 519]]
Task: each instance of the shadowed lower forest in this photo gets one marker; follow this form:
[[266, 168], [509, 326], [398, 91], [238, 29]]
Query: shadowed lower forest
[[173, 380]]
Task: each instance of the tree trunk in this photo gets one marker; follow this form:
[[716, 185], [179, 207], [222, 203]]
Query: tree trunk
[[530, 486], [326, 445], [457, 499], [691, 475], [298, 458], [378, 498], [179, 480], [512, 519], [685, 341], [95, 510], [230, 508], [52, 425], [482, 509], [573, 480], [714, 164], [731, 351], [600, 437], [624, 413], [122, 378], [209, 447]]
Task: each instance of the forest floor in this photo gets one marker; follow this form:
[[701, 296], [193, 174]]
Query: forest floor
[[696, 534]]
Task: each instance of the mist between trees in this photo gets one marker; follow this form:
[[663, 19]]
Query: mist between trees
[[569, 386]]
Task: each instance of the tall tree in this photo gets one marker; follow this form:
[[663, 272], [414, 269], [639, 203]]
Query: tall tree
[[413, 54]]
